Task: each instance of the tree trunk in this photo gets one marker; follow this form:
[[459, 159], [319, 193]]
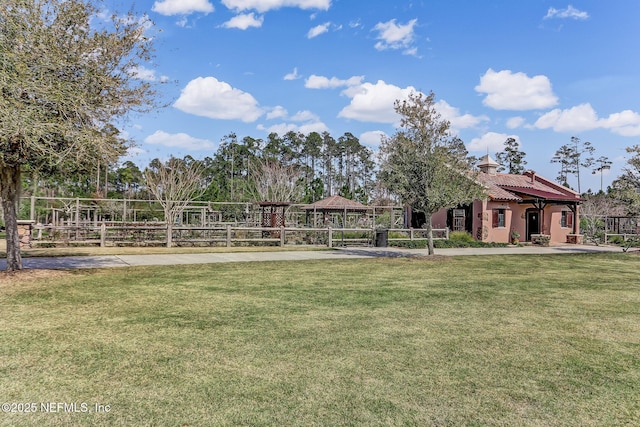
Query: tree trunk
[[10, 194], [427, 217]]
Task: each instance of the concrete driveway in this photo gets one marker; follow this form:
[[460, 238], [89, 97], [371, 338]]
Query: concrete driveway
[[103, 261]]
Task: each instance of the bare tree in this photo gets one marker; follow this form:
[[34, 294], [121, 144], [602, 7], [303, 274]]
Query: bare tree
[[175, 184], [276, 182], [593, 214]]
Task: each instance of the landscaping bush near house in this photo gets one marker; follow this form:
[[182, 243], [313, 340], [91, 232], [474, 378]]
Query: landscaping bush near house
[[397, 235], [464, 244], [625, 242], [616, 240], [457, 239], [462, 239], [409, 244], [337, 234]]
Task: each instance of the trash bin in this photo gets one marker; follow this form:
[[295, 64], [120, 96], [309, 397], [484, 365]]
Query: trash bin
[[382, 238]]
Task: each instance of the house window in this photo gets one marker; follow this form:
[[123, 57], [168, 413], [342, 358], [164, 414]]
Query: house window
[[566, 221], [499, 218]]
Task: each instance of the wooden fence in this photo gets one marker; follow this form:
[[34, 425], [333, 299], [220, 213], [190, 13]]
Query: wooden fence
[[223, 235]]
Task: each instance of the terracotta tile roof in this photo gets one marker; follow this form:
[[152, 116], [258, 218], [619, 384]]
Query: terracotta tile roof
[[512, 187], [337, 203]]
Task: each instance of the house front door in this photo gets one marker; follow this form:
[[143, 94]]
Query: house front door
[[533, 223]]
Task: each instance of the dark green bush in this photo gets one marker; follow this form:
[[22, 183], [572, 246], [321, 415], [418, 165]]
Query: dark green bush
[[456, 240], [616, 240]]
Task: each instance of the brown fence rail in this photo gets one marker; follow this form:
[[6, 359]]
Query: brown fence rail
[[158, 234]]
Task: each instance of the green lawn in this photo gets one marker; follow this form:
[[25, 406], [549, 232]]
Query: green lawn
[[501, 340]]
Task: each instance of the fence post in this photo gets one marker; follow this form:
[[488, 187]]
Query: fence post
[[32, 212], [103, 235], [282, 239], [411, 233], [228, 235], [169, 234], [330, 237], [77, 218]]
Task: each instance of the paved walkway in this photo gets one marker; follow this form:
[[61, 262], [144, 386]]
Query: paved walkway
[[70, 262]]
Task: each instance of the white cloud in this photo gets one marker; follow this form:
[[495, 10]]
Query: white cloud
[[575, 119], [244, 21], [266, 5], [179, 140], [305, 129], [583, 117], [372, 138], [208, 97], [318, 29], [356, 24], [374, 102], [182, 7], [293, 75], [458, 121], [277, 112], [626, 123], [305, 116], [490, 141], [143, 73], [394, 36], [305, 122], [516, 91], [570, 12], [515, 122], [321, 82]]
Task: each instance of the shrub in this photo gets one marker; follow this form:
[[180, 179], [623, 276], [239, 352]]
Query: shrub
[[461, 239], [409, 244], [458, 239], [615, 240]]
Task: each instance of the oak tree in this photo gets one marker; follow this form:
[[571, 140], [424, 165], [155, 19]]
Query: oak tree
[[67, 75], [424, 164]]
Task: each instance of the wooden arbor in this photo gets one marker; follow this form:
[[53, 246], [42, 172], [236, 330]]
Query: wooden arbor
[[273, 216]]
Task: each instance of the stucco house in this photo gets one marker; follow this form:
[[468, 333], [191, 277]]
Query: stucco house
[[529, 204]]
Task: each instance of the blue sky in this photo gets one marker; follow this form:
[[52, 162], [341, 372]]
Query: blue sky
[[536, 70]]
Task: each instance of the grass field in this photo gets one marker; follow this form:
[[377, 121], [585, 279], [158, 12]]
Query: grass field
[[501, 340]]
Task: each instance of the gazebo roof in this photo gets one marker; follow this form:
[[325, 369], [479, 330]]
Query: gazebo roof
[[336, 203]]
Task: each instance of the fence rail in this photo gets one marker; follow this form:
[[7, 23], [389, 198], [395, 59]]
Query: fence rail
[[61, 211], [225, 235]]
